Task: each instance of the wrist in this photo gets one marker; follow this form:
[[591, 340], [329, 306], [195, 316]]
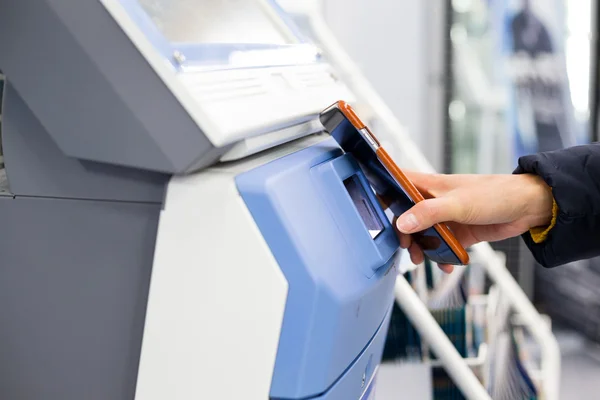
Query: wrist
[[540, 201]]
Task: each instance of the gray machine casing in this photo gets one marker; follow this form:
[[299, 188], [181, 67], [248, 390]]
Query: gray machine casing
[[76, 254], [81, 206], [81, 210], [72, 56]]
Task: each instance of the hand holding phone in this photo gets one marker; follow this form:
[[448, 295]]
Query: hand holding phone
[[388, 180]]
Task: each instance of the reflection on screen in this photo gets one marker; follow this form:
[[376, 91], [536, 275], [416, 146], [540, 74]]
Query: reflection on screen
[[364, 206], [213, 21]]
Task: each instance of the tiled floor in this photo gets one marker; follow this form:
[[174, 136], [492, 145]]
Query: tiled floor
[[580, 377]]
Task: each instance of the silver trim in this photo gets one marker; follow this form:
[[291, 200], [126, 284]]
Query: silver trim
[[369, 138]]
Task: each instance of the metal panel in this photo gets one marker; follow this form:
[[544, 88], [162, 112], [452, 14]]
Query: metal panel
[[74, 279], [71, 57], [36, 166]]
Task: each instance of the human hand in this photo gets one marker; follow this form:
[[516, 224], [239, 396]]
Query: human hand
[[477, 208]]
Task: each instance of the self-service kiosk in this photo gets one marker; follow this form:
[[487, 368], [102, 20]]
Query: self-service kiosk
[[175, 225]]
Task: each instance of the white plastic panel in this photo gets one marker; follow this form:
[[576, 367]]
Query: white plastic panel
[[258, 92], [247, 102], [217, 297], [213, 21]]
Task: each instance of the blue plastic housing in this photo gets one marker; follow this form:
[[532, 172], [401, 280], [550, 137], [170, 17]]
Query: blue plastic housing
[[340, 279]]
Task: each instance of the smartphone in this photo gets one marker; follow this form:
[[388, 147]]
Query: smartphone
[[388, 181]]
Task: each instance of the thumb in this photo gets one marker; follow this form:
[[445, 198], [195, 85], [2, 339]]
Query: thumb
[[427, 213]]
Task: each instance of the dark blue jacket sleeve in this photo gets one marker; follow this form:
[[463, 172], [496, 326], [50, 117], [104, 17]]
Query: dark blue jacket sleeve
[[574, 176]]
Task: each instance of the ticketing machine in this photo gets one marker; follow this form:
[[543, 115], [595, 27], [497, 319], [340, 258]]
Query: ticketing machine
[[175, 225]]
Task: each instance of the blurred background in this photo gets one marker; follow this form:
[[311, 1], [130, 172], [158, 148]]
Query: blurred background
[[476, 84]]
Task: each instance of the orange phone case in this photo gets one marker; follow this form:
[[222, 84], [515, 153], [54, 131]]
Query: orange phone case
[[406, 184]]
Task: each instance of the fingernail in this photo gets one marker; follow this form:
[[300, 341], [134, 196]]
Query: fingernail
[[407, 223]]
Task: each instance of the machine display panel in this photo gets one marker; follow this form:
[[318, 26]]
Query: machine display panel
[[364, 206], [214, 21]]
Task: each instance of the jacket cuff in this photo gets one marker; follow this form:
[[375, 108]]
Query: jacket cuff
[[539, 234], [572, 175]]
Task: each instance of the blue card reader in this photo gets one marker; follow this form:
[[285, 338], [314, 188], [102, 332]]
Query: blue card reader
[[338, 251]]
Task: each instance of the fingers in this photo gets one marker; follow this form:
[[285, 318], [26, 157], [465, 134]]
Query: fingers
[[447, 268], [430, 185], [405, 240], [424, 180], [416, 254], [427, 213], [464, 234]]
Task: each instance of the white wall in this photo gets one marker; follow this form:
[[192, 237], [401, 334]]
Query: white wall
[[398, 45]]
